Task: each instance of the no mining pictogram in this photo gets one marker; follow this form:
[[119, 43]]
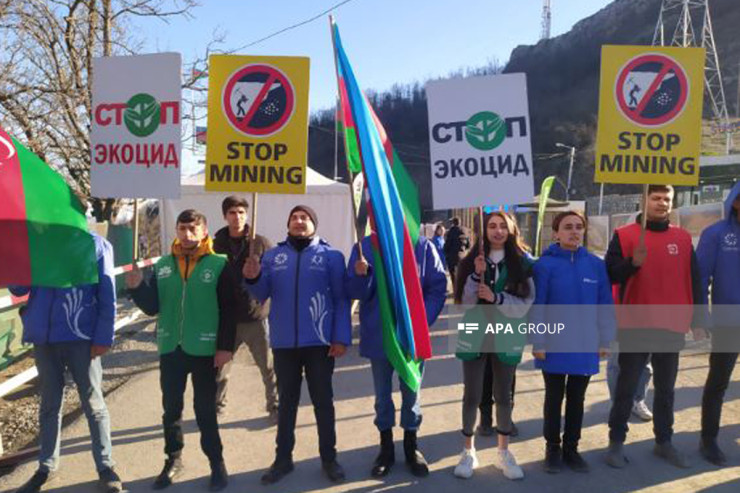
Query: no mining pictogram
[[651, 89], [258, 100]]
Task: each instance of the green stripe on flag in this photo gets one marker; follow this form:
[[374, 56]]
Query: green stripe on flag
[[409, 197], [408, 370], [62, 251]]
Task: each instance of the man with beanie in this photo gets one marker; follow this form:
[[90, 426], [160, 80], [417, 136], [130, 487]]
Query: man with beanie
[[192, 291], [304, 277], [719, 263], [658, 275], [234, 241], [361, 285]]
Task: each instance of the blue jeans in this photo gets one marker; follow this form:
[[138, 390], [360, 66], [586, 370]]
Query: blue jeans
[[52, 360], [385, 411], [612, 373]]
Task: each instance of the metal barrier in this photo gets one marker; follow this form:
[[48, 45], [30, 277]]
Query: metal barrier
[[9, 301]]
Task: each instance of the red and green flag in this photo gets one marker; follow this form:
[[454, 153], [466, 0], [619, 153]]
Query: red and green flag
[[45, 241], [393, 208]]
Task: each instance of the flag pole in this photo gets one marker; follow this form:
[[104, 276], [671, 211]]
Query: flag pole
[[136, 230], [481, 245], [253, 226], [359, 234]]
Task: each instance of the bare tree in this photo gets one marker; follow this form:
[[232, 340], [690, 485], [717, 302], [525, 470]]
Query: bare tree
[[46, 53]]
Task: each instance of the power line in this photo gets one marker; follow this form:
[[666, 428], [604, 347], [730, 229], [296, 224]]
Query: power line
[[302, 23]]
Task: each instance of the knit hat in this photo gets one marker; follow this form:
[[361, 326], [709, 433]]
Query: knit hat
[[311, 213]]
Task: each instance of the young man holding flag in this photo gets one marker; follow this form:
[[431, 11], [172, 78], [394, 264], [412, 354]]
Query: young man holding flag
[[71, 328], [362, 285]]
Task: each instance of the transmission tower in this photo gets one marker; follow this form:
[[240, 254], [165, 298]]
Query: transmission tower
[[685, 11], [546, 18]]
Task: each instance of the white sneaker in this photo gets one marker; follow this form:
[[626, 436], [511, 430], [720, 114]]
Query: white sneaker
[[641, 410], [468, 463], [508, 465]]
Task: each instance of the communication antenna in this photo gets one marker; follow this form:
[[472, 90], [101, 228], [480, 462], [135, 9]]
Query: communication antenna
[[683, 13], [546, 18]]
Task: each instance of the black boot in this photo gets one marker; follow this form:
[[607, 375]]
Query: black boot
[[573, 459], [37, 482], [219, 477], [387, 456], [414, 459], [277, 471], [333, 471], [172, 469], [711, 452], [553, 458]]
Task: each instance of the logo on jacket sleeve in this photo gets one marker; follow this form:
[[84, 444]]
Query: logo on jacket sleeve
[[208, 276], [672, 249], [164, 272]]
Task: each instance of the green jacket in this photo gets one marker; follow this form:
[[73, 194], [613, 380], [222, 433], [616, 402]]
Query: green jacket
[[197, 314], [508, 345]]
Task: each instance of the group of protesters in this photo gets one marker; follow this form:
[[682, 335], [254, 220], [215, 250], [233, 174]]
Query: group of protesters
[[212, 295]]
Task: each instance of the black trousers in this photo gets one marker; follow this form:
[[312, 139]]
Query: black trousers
[[487, 401], [573, 388], [720, 371], [319, 368], [174, 369], [665, 370]]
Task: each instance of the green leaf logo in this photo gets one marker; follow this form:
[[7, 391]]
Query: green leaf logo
[[485, 130], [142, 115]]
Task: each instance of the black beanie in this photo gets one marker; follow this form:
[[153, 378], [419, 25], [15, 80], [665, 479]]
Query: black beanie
[[311, 213]]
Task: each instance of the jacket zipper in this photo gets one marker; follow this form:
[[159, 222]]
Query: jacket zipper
[[295, 307], [182, 299]]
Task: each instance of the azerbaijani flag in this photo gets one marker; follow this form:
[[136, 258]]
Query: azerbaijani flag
[[393, 207], [43, 230]]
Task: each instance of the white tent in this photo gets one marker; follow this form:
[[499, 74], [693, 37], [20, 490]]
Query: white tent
[[328, 198]]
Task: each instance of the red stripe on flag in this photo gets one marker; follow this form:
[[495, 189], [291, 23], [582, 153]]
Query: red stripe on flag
[[387, 144], [14, 249], [415, 298], [345, 108]]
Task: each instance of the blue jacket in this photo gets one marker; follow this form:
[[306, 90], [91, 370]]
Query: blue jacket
[[80, 313], [718, 255], [309, 306], [439, 243], [563, 278], [433, 285]]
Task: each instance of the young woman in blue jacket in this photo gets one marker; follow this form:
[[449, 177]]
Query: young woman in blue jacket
[[567, 274]]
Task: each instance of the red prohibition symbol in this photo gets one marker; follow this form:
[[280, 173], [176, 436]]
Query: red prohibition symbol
[[258, 100], [652, 90]]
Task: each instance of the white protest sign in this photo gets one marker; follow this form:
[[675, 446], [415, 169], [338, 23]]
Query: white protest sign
[[136, 129], [479, 141]]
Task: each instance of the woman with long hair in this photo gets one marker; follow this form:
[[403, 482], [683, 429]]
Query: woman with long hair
[[566, 275], [498, 281]]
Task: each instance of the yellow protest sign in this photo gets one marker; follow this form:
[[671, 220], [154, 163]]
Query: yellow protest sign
[[257, 138], [650, 108]]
